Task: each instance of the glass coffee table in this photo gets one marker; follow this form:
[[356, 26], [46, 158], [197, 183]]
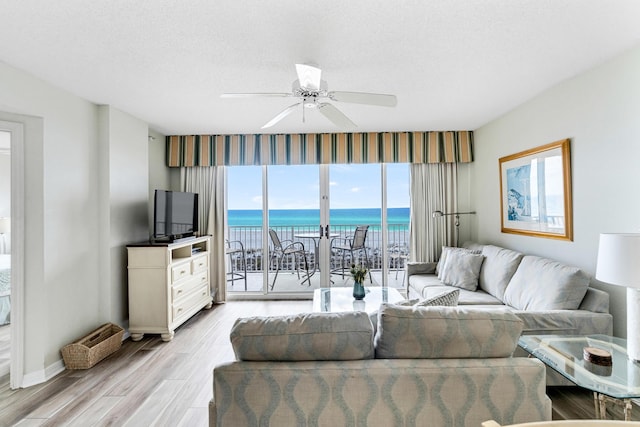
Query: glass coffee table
[[341, 299], [618, 383]]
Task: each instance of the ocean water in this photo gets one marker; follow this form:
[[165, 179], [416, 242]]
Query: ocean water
[[398, 218]]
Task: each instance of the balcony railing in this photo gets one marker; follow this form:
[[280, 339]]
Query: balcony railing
[[251, 238]]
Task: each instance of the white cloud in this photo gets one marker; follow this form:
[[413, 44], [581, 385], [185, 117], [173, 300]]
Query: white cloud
[[355, 189]]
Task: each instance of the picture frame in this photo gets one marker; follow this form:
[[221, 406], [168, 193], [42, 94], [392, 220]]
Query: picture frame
[[535, 192]]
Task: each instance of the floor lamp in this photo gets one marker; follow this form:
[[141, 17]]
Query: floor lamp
[[5, 227], [438, 214], [619, 264]]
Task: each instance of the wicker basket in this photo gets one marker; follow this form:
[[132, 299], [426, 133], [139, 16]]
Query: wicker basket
[[90, 349]]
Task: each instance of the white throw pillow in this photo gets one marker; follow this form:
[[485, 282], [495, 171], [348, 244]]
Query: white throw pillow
[[461, 270], [446, 250]]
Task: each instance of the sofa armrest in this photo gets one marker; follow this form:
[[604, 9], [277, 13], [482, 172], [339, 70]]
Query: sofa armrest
[[415, 267], [595, 300], [565, 322]]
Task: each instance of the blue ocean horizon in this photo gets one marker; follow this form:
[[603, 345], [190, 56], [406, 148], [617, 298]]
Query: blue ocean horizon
[[396, 217]]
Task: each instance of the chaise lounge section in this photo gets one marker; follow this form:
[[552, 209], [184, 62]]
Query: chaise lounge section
[[548, 296]]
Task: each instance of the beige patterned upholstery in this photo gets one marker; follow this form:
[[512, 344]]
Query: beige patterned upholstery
[[420, 392], [480, 385], [445, 333], [306, 336]]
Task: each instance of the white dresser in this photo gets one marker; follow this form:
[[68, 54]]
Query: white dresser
[[168, 283]]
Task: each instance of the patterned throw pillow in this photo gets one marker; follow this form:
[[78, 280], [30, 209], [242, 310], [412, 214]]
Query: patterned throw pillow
[[447, 298]]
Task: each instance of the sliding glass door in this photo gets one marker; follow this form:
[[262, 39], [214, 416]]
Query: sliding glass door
[[294, 218], [300, 226], [355, 217]]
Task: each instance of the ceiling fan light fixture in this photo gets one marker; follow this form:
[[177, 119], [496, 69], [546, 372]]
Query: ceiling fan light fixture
[[310, 102]]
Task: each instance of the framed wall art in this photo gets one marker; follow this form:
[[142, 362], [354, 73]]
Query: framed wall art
[[535, 192]]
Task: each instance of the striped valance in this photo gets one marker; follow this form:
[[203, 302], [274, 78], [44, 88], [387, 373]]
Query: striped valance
[[324, 148]]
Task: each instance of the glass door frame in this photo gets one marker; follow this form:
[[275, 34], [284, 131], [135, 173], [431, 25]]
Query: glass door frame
[[324, 248]]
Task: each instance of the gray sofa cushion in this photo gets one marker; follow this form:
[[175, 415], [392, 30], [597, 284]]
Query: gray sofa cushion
[[445, 332], [544, 284], [305, 336], [461, 269], [498, 268]]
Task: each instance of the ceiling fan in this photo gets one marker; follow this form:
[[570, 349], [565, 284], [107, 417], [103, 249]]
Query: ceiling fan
[[312, 93]]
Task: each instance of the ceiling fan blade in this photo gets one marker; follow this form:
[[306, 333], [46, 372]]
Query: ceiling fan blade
[[309, 76], [254, 95], [336, 116], [364, 98], [284, 113]]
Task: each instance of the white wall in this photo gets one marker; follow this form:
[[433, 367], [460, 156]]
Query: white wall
[[5, 187], [65, 226], [123, 204], [159, 172], [599, 111]]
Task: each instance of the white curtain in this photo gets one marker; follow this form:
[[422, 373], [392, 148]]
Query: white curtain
[[208, 182], [433, 188]]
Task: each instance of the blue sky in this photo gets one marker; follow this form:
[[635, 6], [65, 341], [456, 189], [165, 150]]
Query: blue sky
[[297, 187]]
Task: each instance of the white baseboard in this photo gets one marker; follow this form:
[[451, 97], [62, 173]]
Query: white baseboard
[[44, 375], [41, 376]]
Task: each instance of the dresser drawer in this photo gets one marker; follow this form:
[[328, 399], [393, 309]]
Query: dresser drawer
[[200, 263], [180, 271], [185, 305], [183, 289]]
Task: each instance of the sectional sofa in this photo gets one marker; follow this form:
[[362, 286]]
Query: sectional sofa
[[548, 296], [425, 366]]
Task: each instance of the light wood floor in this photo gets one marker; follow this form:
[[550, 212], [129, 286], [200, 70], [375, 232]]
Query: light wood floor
[[170, 384]]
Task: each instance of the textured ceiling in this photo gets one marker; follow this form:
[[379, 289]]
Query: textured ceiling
[[453, 64]]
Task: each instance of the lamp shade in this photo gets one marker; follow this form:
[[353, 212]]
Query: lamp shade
[[5, 225], [619, 259]]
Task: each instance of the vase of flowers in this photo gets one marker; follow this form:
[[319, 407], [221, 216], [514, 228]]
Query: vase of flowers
[[358, 272]]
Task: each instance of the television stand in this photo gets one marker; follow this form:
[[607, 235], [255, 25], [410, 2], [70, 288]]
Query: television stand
[[168, 283], [183, 239]]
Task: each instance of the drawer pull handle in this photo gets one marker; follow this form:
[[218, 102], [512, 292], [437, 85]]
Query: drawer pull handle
[[179, 310], [183, 271], [180, 291], [202, 279]]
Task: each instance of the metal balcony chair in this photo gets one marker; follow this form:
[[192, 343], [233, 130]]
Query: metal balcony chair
[[287, 248], [352, 245], [235, 251], [398, 256]]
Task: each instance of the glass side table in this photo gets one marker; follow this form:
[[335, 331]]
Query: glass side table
[[618, 383]]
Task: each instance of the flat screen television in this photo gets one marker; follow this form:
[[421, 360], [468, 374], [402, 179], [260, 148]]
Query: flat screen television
[[175, 215]]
